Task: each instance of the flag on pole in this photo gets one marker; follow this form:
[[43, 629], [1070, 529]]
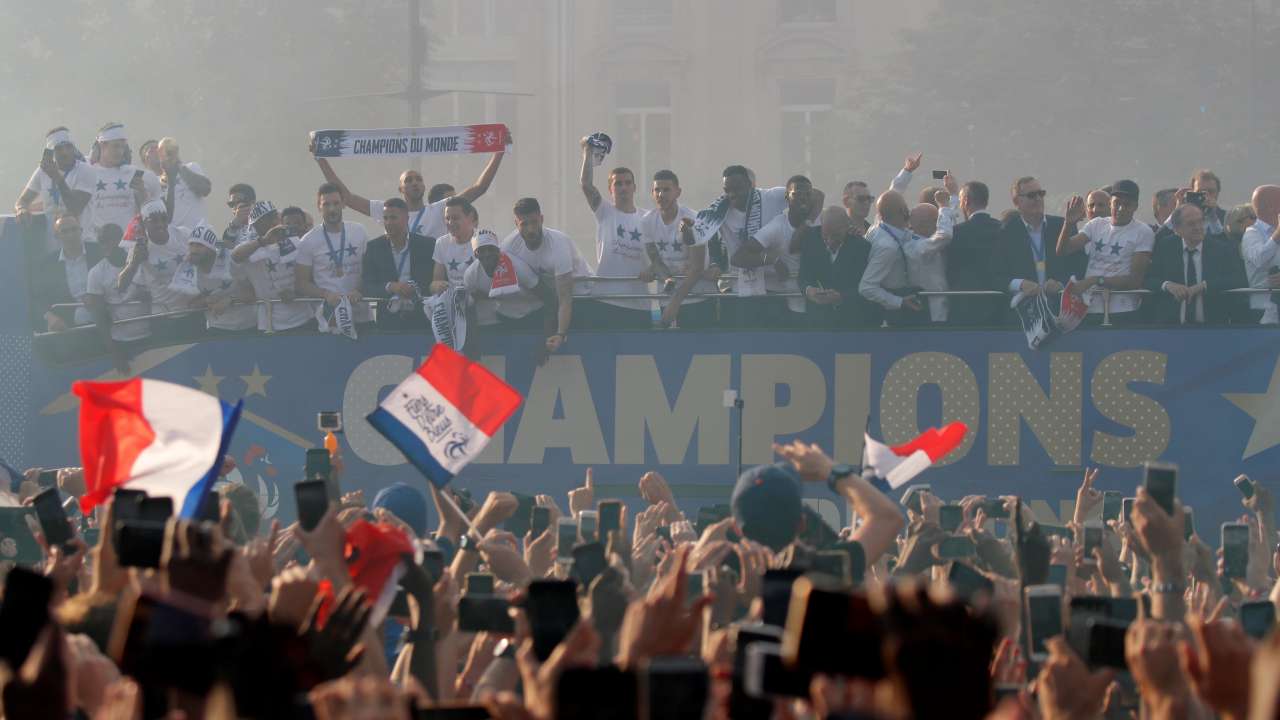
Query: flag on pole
[[444, 414], [165, 439], [897, 464]]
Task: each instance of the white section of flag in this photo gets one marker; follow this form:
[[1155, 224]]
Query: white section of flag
[[451, 438]]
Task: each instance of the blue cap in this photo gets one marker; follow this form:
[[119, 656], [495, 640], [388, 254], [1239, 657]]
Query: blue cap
[[766, 505], [406, 503]]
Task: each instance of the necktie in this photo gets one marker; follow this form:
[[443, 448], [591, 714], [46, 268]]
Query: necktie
[[1189, 314]]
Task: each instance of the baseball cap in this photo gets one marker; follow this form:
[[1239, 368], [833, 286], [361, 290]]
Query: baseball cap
[[261, 209], [766, 505], [1128, 188]]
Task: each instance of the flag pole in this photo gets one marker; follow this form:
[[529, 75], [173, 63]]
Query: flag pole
[[471, 528]]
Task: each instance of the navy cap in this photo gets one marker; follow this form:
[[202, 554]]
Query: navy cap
[[766, 505], [1127, 188]]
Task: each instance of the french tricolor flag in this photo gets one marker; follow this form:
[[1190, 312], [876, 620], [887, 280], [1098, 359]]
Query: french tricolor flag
[[897, 464], [165, 439], [444, 414]]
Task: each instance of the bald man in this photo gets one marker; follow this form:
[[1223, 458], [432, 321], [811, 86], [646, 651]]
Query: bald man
[[1261, 250], [901, 262], [831, 266], [931, 230], [1097, 204], [183, 186]]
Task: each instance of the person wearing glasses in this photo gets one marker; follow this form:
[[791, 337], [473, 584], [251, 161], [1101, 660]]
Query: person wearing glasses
[[857, 201], [1025, 258]]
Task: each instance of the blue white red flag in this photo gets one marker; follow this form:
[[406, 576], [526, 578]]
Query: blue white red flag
[[442, 416], [159, 437]]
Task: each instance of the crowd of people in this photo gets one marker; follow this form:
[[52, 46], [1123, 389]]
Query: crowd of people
[[137, 240], [521, 607]]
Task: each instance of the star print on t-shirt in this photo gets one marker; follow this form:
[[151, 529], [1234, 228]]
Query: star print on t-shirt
[[102, 185], [635, 236], [351, 250], [622, 232], [1115, 249], [1097, 246], [162, 264], [271, 266], [453, 265], [335, 256], [120, 185], [662, 245]]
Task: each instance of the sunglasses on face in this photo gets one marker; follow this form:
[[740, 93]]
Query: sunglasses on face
[[237, 204], [1034, 195]]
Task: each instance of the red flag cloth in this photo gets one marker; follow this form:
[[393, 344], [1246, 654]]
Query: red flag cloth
[[934, 442], [504, 278], [373, 553]]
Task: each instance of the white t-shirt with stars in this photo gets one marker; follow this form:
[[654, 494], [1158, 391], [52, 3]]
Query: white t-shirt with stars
[[222, 283], [157, 272], [272, 272], [620, 253], [326, 253], [772, 202], [188, 207], [102, 282], [1110, 250], [672, 250], [113, 200], [82, 177], [555, 256], [478, 282], [454, 257], [775, 237], [428, 221]]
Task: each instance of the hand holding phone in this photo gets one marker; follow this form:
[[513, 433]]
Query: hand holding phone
[[312, 497], [53, 518]]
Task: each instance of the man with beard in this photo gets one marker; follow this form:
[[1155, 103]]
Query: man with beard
[[774, 252], [63, 184], [157, 253], [219, 286], [668, 241], [330, 256], [120, 188]]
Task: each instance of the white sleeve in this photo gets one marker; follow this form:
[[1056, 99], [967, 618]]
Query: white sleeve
[[94, 284], [438, 254], [774, 195], [86, 178], [1093, 230], [562, 257], [195, 168], [151, 182], [772, 235], [1146, 239], [37, 182], [901, 181], [525, 276], [306, 251], [1258, 249]]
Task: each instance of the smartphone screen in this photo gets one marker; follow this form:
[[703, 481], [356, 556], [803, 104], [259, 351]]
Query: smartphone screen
[[318, 464], [1106, 643], [163, 645], [1126, 508], [1044, 616], [53, 519], [950, 516], [566, 537], [47, 479], [23, 614], [485, 613], [995, 509], [588, 522], [1189, 523], [540, 521], [156, 510], [833, 632], [955, 547], [967, 581], [588, 562], [1058, 575], [552, 607], [776, 593], [1257, 618], [1235, 550], [1111, 505], [857, 559], [140, 544], [766, 676], [676, 687], [1244, 485], [1161, 480], [939, 174], [589, 693], [478, 584], [834, 564], [433, 563], [520, 521], [312, 497], [610, 517], [1092, 540]]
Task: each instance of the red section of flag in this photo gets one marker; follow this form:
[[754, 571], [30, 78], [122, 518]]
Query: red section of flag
[[488, 138], [484, 398], [113, 433], [371, 552], [504, 277], [934, 442]]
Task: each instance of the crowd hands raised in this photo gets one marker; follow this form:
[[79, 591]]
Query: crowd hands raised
[[757, 257], [515, 608]]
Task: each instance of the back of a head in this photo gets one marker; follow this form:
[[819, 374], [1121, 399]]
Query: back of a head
[[766, 505], [406, 503]]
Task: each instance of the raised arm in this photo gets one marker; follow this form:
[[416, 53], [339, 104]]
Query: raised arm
[[199, 184], [359, 203], [482, 183], [585, 179], [903, 178], [1070, 241]]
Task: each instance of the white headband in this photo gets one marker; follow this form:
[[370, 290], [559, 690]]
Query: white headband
[[56, 138], [482, 238], [155, 207], [204, 235], [112, 132]]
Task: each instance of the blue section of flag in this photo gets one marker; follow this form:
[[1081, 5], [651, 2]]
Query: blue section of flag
[[196, 495], [415, 451]]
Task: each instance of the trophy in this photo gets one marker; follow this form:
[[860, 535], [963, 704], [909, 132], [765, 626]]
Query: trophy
[[600, 145]]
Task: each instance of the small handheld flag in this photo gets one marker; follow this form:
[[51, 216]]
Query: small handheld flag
[[899, 463], [444, 414], [165, 439]]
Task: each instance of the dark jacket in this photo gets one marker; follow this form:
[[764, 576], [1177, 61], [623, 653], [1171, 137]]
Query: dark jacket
[[379, 268], [843, 275], [49, 285], [969, 267], [1014, 260], [1220, 270]]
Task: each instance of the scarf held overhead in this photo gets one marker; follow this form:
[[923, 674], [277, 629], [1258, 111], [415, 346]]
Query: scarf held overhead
[[406, 142]]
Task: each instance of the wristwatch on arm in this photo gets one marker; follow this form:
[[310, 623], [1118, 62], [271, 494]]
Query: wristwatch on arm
[[840, 472]]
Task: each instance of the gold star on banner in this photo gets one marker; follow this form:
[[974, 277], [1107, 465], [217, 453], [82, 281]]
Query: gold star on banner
[[255, 383], [208, 382], [1264, 408]]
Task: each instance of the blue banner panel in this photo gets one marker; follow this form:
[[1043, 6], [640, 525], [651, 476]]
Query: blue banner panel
[[624, 403]]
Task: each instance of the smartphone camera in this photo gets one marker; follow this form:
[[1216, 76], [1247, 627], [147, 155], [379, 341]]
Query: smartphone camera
[[329, 421]]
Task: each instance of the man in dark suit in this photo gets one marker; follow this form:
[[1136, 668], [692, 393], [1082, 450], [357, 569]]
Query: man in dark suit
[[832, 260], [1025, 259], [969, 257], [398, 266], [1187, 272], [61, 278]]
